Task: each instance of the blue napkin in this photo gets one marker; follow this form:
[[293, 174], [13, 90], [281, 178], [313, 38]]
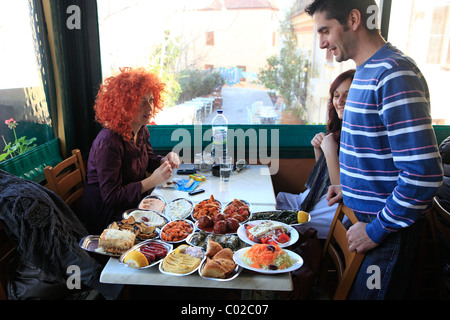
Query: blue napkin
[[181, 185]]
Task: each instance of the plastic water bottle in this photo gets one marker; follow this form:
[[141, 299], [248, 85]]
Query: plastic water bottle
[[219, 134]]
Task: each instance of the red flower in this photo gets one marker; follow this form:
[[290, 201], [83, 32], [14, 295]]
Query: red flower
[[11, 123]]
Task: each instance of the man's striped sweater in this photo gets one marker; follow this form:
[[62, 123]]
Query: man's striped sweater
[[390, 164]]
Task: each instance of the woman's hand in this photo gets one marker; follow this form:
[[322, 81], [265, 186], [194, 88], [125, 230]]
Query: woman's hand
[[316, 143], [173, 159], [160, 175], [329, 145]]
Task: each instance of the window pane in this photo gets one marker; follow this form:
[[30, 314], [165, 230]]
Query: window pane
[[211, 49], [420, 28], [22, 96]]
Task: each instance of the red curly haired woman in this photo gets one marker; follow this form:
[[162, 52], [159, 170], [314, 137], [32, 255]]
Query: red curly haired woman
[[121, 155]]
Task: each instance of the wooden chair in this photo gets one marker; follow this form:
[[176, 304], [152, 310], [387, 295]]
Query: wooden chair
[[67, 179], [336, 252]]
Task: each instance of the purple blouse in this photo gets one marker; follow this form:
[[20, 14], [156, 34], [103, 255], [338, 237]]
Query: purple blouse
[[114, 172]]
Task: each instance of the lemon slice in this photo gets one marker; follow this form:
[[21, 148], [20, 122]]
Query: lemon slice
[[136, 259], [302, 216], [181, 248]]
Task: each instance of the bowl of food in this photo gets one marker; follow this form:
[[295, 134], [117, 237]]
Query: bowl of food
[[177, 231], [179, 208]]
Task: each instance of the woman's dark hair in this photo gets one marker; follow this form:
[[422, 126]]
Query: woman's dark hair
[[334, 124], [340, 10]]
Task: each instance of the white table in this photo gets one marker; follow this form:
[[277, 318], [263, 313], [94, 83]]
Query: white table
[[253, 184]]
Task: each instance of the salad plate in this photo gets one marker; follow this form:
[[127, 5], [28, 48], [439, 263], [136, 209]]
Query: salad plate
[[293, 234], [240, 260]]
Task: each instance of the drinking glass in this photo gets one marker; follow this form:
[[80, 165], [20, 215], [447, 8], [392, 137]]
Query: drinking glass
[[226, 166], [198, 161], [207, 162]]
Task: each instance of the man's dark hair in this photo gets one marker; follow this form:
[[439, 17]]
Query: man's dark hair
[[340, 9]]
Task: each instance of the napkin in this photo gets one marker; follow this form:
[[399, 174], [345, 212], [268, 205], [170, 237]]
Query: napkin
[[182, 185]]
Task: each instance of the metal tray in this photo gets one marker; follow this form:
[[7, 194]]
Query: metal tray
[[128, 212], [273, 215], [188, 213], [236, 272], [154, 197], [188, 221], [222, 239], [248, 205], [180, 274], [90, 243], [218, 201], [168, 246]]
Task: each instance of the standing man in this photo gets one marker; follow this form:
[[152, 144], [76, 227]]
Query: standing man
[[390, 167]]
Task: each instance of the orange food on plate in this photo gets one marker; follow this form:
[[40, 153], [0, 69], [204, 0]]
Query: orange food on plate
[[176, 231], [237, 210], [209, 207]]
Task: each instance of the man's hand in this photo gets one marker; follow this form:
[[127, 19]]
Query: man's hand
[[334, 194], [358, 239]]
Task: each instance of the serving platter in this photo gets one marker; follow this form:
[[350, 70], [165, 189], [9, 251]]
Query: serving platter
[[170, 224], [238, 258], [242, 233], [161, 269], [142, 205], [137, 247], [288, 217], [168, 212], [236, 272], [138, 214], [90, 243], [200, 239]]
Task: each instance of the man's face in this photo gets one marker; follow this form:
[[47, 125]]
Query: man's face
[[334, 37]]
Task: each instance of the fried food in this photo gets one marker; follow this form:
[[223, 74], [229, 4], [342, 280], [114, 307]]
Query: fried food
[[209, 207], [116, 241]]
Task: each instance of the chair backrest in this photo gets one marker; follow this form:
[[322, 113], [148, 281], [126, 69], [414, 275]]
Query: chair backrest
[[336, 250], [441, 219], [67, 178]]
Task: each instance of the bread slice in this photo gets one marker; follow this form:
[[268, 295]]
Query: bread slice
[[116, 241]]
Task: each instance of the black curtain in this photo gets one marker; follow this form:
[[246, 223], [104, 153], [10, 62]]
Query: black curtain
[[77, 55]]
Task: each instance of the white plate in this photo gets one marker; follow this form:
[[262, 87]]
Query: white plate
[[238, 259], [242, 233]]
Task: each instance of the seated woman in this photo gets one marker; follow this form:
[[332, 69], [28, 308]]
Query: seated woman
[[121, 155], [326, 150]]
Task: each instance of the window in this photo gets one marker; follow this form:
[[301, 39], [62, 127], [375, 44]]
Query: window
[[421, 30], [22, 94], [210, 38], [196, 35]]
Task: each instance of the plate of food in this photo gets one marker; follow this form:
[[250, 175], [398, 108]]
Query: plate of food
[[290, 217], [209, 207], [154, 203], [149, 217], [219, 224], [177, 231], [145, 254], [200, 238], [179, 208], [267, 232], [268, 259], [237, 209], [142, 230], [182, 261], [112, 242], [219, 264]]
